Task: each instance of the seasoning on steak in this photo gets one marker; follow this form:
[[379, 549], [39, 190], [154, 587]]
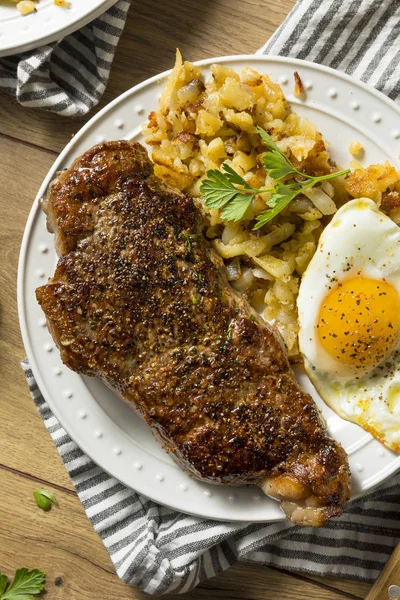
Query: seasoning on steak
[[140, 300]]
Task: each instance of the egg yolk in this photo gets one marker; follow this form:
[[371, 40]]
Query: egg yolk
[[359, 322]]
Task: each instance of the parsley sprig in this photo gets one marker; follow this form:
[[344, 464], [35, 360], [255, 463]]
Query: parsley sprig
[[24, 586], [220, 188]]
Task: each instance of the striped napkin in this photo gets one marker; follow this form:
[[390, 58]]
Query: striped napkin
[[165, 551], [67, 77]]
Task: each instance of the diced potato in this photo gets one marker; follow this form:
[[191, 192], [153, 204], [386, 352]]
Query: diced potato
[[236, 95], [178, 179], [26, 7], [196, 167], [207, 124], [305, 254], [278, 109], [175, 121], [198, 126], [274, 266], [310, 226], [169, 91], [311, 215], [216, 149], [283, 293], [244, 161], [355, 148], [299, 145], [243, 119], [305, 127], [251, 248], [372, 181], [251, 77], [221, 73], [194, 189]]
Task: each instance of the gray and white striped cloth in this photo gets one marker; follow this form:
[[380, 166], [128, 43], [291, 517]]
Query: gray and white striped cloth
[[67, 77], [164, 551]]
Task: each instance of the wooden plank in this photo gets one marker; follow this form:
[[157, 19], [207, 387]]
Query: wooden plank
[[262, 583], [63, 544], [148, 46], [24, 443], [389, 579], [358, 589]]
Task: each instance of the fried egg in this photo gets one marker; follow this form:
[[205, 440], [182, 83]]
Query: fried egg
[[349, 318]]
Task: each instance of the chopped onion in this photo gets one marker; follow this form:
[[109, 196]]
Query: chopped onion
[[190, 92], [328, 188], [262, 274], [233, 269], [244, 281], [321, 201], [229, 233], [301, 204]]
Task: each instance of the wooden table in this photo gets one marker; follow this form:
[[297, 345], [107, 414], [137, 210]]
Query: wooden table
[[62, 542]]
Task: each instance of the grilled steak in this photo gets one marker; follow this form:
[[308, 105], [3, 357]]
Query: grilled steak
[[140, 300]]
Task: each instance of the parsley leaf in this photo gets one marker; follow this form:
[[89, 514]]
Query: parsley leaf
[[268, 141], [217, 190], [283, 195], [25, 585], [43, 499], [276, 162], [236, 211], [276, 166], [235, 177]]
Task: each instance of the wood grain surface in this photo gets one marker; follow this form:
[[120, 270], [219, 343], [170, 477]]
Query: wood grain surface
[[62, 542], [387, 582]]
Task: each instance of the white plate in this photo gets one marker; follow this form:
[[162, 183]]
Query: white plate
[[103, 426], [49, 23]]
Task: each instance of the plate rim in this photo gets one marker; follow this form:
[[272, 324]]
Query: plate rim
[[60, 33], [35, 208]]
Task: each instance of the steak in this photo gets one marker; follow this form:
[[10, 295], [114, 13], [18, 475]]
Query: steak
[[140, 300]]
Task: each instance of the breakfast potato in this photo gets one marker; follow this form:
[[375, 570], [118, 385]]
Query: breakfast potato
[[202, 124]]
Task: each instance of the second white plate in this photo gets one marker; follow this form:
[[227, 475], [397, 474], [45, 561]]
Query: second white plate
[[101, 424], [48, 24]]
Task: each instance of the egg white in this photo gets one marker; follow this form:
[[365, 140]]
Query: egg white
[[360, 241]]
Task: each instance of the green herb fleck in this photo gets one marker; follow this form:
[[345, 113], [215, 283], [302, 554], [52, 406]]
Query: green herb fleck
[[24, 585], [253, 318], [195, 299], [44, 499], [188, 243]]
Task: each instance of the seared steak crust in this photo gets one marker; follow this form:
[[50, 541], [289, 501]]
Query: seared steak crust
[[140, 300]]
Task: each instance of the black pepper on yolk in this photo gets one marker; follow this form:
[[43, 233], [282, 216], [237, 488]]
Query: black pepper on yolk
[[359, 322]]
